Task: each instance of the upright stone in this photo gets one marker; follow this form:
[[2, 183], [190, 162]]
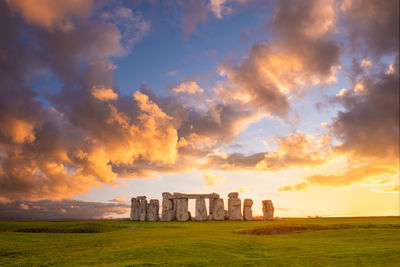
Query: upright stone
[[212, 202], [234, 207], [233, 195], [201, 210], [134, 209], [218, 212], [268, 209], [182, 209], [168, 213], [142, 208], [152, 210], [247, 213]]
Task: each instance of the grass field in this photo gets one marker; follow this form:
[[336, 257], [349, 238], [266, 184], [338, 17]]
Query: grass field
[[290, 242]]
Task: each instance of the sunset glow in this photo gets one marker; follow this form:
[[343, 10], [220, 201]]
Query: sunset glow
[[294, 102]]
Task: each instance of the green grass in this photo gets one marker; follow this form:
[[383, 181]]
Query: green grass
[[291, 242]]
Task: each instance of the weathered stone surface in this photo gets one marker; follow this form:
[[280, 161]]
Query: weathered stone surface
[[166, 195], [177, 195], [134, 209], [247, 212], [168, 212], [201, 210], [211, 207], [141, 197], [226, 215], [234, 209], [268, 209], [152, 210], [142, 209], [233, 195], [218, 212], [182, 209]]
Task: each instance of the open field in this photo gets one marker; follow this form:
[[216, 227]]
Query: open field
[[322, 242]]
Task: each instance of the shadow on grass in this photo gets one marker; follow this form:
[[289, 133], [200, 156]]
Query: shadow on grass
[[82, 228]]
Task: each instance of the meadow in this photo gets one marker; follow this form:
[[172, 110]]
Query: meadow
[[290, 242]]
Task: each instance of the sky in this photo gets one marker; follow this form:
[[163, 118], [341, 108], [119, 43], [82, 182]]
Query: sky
[[293, 101]]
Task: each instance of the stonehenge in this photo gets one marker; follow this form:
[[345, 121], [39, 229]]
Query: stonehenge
[[152, 210], [167, 213], [134, 209], [247, 212], [142, 208], [234, 207], [175, 207], [268, 209], [218, 212], [201, 209], [182, 213]]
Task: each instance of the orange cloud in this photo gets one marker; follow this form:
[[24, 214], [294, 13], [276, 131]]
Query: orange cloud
[[19, 130], [190, 87], [213, 180], [297, 149], [103, 94], [52, 14]]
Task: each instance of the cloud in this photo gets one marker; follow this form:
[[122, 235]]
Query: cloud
[[121, 199], [59, 210], [365, 63], [195, 11], [367, 130], [73, 144], [103, 94], [372, 26], [297, 187], [213, 180], [242, 190], [52, 14], [306, 30], [372, 172], [189, 87], [294, 59], [368, 126], [218, 9], [293, 150]]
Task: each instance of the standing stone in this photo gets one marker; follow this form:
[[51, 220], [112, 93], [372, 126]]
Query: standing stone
[[142, 208], [182, 209], [201, 210], [152, 210], [134, 209], [212, 202], [268, 209], [247, 213], [233, 195], [168, 213], [234, 209], [218, 212]]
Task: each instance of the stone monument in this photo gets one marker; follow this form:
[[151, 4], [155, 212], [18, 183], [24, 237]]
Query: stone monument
[[234, 207], [247, 213], [268, 209]]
